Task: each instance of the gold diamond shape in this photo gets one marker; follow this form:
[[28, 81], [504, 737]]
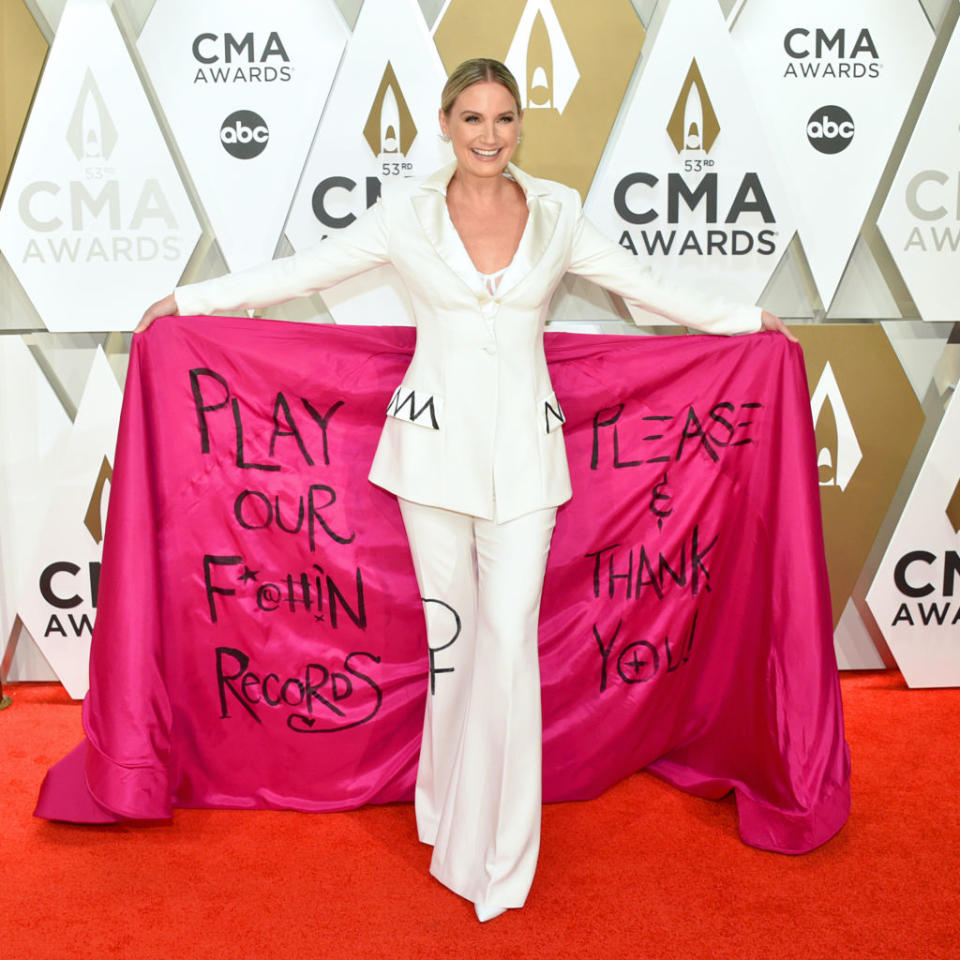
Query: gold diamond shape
[[602, 38], [22, 51], [865, 434]]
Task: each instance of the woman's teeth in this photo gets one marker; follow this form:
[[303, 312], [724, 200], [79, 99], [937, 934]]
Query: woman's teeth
[[486, 153]]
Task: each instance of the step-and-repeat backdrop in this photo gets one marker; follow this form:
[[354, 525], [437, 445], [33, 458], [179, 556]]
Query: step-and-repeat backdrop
[[802, 156]]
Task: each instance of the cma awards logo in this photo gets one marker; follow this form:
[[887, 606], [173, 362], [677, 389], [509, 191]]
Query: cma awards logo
[[540, 58], [818, 53], [838, 450], [229, 59], [922, 574], [931, 197], [60, 581], [389, 132], [96, 198], [693, 128]]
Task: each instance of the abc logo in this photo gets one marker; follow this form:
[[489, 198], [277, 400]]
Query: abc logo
[[244, 134], [830, 129]]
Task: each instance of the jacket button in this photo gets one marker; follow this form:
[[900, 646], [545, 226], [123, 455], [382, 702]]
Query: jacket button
[[490, 348]]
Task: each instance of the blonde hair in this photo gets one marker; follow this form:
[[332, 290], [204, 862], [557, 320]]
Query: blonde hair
[[477, 70]]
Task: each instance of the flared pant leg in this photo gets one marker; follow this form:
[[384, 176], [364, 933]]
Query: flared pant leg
[[479, 782]]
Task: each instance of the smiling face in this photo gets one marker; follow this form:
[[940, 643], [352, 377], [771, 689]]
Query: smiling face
[[483, 126]]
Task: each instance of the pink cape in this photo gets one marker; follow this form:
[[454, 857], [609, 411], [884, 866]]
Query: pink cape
[[260, 641]]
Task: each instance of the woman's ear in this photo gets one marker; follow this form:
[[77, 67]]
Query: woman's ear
[[442, 118]]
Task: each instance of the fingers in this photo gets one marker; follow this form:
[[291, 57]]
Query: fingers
[[162, 308], [149, 316], [774, 323]]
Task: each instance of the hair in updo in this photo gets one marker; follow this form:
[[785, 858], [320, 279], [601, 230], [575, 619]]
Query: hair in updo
[[478, 70]]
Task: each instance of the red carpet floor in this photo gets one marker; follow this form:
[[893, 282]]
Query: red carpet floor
[[642, 872]]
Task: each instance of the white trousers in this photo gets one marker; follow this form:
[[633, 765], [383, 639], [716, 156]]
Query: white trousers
[[479, 782]]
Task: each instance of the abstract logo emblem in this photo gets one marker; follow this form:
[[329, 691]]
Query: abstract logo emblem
[[93, 518], [91, 133], [541, 60], [389, 127], [244, 134], [839, 455], [830, 129], [693, 124]]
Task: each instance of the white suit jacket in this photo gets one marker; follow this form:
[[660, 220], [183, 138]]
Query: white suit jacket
[[474, 426]]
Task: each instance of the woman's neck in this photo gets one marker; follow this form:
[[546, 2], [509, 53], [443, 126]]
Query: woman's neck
[[477, 191]]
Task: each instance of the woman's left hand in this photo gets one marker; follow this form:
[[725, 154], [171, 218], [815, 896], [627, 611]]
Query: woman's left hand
[[772, 322]]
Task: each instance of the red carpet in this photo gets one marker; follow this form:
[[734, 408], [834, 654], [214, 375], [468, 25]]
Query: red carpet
[[643, 871]]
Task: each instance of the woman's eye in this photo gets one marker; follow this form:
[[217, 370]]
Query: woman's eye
[[506, 119], [471, 119]]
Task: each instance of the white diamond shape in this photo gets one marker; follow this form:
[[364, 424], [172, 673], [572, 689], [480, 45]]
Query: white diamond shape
[[386, 30], [694, 30], [95, 221], [871, 57], [919, 555], [920, 220], [269, 67], [62, 630], [33, 426]]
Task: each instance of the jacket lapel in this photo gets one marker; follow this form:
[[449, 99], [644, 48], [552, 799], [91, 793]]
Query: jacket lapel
[[541, 225], [430, 205]]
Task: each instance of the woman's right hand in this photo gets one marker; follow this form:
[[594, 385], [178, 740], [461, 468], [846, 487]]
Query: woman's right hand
[[167, 307]]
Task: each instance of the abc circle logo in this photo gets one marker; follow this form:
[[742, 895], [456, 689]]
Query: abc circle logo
[[244, 134], [830, 129]]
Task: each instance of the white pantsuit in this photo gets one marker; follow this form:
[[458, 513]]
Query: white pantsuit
[[473, 447], [479, 780]]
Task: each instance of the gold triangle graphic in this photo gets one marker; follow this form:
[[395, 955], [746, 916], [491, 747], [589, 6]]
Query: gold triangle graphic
[[93, 519]]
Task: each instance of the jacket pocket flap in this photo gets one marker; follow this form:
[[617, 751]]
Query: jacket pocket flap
[[551, 413], [417, 407]]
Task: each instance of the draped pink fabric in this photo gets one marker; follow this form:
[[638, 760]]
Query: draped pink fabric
[[260, 642]]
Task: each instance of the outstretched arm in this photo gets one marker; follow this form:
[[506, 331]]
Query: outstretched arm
[[361, 247], [605, 262]]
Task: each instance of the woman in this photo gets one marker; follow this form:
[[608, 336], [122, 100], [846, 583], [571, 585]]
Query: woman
[[473, 449]]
